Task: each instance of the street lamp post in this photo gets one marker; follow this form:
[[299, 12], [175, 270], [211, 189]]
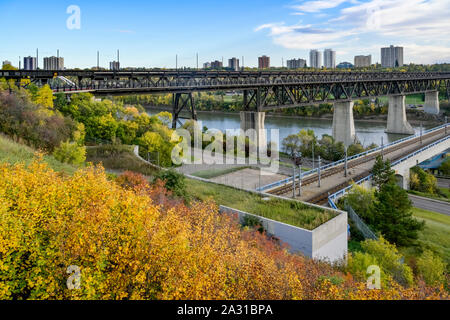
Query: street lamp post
[[319, 170], [293, 184]]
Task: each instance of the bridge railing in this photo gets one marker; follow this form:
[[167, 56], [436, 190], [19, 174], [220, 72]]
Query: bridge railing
[[332, 198], [363, 154]]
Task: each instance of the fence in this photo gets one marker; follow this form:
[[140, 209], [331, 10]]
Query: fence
[[304, 174], [359, 223]]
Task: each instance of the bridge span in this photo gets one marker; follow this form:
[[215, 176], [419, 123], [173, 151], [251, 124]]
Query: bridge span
[[403, 154], [262, 91]]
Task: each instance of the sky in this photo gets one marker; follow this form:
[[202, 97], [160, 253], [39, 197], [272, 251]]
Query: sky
[[151, 33]]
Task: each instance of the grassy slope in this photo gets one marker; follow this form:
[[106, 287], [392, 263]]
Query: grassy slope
[[118, 158], [213, 173], [289, 212], [11, 152], [435, 236]]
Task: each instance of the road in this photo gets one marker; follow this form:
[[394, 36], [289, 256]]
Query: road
[[430, 204], [443, 183]]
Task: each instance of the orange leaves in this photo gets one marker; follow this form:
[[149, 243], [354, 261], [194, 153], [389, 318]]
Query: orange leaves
[[132, 240]]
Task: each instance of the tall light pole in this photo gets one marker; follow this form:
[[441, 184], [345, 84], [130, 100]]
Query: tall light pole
[[313, 154], [421, 132], [293, 184], [300, 180], [319, 171], [346, 161]]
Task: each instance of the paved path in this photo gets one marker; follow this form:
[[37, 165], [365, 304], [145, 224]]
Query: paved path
[[430, 204], [443, 183]]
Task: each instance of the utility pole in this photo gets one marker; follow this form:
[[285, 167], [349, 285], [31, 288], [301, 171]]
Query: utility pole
[[445, 124], [420, 132], [300, 180], [313, 155], [243, 64], [346, 162], [319, 170], [176, 62], [293, 184], [98, 60], [197, 61]]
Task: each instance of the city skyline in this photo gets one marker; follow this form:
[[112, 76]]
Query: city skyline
[[157, 39]]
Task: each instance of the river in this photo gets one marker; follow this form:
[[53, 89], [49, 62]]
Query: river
[[366, 132]]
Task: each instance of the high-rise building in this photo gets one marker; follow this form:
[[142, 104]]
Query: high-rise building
[[29, 63], [363, 61], [296, 63], [233, 64], [315, 59], [53, 63], [207, 65], [392, 57], [216, 65], [329, 59], [264, 62], [114, 66]]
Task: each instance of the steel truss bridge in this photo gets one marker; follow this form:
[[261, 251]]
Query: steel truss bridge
[[263, 91]]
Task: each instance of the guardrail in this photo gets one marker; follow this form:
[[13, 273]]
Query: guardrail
[[332, 198], [363, 154]]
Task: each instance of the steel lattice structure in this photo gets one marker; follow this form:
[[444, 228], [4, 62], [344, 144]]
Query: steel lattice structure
[[263, 91]]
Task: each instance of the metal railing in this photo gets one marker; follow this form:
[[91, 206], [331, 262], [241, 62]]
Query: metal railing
[[332, 198], [363, 154]]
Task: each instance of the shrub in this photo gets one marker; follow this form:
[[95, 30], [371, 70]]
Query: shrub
[[431, 268], [423, 181], [70, 152], [173, 181]]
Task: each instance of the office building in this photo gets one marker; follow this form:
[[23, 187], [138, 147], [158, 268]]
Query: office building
[[216, 65], [114, 66], [264, 62], [392, 57], [315, 59], [296, 63], [329, 59], [363, 61], [53, 63], [29, 63], [233, 64]]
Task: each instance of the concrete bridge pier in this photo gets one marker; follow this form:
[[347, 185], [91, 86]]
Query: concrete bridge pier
[[255, 121], [397, 122], [343, 123], [432, 102]]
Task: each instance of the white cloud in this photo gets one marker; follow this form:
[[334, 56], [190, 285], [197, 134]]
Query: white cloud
[[421, 26], [316, 6]]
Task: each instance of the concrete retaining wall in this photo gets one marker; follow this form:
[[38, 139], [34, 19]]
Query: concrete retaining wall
[[327, 242]]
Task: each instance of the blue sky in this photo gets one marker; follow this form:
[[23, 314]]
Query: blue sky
[[151, 33]]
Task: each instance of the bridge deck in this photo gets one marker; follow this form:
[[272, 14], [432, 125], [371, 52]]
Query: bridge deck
[[333, 179]]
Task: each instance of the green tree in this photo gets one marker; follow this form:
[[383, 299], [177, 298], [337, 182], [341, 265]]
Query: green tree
[[392, 215], [44, 97], [355, 149], [445, 167], [173, 181], [70, 152], [382, 172]]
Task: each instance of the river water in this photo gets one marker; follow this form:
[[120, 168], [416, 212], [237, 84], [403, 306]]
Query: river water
[[366, 132]]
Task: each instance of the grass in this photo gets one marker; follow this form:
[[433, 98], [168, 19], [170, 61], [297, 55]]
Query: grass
[[435, 236], [214, 173], [444, 191], [14, 153], [289, 212], [118, 158]]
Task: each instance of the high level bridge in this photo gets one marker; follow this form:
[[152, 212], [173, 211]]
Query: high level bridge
[[262, 91], [334, 182]]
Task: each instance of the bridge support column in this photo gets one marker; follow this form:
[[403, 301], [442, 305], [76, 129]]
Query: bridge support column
[[432, 102], [180, 102], [403, 178], [255, 121], [397, 122], [343, 123]]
